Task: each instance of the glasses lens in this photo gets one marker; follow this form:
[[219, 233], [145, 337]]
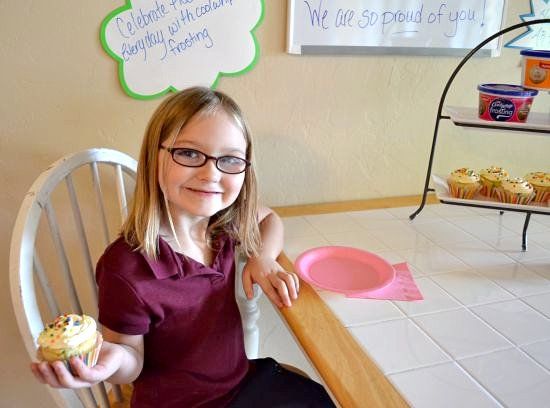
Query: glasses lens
[[231, 164], [189, 157]]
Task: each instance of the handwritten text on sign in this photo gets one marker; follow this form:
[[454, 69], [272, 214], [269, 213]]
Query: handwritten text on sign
[[537, 36], [405, 23], [178, 43]]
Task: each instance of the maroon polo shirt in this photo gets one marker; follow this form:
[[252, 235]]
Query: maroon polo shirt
[[187, 313]]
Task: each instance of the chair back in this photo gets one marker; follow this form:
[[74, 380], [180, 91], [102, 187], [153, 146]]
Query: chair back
[[67, 218]]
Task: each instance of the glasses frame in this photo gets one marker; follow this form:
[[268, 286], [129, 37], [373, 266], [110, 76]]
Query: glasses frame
[[173, 150]]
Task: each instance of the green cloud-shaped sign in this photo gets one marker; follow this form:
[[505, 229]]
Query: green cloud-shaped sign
[[169, 45]]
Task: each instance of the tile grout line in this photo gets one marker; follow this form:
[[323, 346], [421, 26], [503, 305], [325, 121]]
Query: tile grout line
[[452, 359], [464, 371], [517, 346], [464, 306], [470, 375]]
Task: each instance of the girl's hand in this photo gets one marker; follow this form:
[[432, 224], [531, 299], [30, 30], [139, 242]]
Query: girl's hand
[[279, 285], [56, 374]]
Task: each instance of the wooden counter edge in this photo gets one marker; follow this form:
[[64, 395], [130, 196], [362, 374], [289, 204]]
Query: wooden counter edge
[[352, 377], [356, 205]]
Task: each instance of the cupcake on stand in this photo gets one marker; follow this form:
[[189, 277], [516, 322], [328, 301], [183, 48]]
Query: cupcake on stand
[[515, 191], [463, 183], [491, 178], [541, 185]]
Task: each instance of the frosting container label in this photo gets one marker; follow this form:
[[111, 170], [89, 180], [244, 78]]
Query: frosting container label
[[501, 110]]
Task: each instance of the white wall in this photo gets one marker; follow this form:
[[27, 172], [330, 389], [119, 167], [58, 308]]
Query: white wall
[[327, 128]]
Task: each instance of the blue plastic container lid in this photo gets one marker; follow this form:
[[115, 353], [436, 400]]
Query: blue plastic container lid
[[536, 53], [507, 90]]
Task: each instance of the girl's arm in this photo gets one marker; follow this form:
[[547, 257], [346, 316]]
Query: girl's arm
[[279, 285], [120, 362]]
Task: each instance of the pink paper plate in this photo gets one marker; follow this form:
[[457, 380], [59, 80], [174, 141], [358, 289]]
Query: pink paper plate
[[344, 269]]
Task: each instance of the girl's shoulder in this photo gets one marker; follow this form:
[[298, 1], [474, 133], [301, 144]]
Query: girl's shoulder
[[121, 247], [120, 254], [129, 262]]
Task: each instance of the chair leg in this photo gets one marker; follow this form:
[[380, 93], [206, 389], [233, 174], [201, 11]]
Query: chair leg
[[127, 390]]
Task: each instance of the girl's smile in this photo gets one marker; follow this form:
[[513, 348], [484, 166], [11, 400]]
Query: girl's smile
[[205, 193]]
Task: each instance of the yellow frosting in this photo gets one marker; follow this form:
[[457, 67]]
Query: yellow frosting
[[538, 179], [517, 185], [67, 335], [464, 175], [494, 174]]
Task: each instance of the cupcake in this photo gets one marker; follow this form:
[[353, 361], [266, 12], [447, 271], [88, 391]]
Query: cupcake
[[490, 179], [463, 183], [70, 335], [541, 184], [515, 191]]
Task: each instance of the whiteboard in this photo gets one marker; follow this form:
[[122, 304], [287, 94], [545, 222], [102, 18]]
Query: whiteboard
[[422, 27]]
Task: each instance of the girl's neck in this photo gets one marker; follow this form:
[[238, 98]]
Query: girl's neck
[[191, 238]]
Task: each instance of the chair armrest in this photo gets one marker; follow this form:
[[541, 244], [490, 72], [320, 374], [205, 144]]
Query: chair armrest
[[250, 313]]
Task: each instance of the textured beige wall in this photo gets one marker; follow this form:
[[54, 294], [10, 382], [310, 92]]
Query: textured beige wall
[[327, 128]]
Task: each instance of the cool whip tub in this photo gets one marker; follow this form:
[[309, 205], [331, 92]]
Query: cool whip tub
[[536, 69], [505, 103]]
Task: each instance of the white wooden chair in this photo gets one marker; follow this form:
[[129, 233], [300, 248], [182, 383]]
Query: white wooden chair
[[58, 236]]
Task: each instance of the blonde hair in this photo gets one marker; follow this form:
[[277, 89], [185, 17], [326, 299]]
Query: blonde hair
[[239, 220]]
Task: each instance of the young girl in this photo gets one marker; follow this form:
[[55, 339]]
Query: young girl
[[166, 286]]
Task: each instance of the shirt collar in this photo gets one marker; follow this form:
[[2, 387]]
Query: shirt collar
[[169, 263]]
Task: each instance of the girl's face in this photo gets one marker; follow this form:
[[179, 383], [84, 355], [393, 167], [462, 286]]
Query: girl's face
[[203, 191]]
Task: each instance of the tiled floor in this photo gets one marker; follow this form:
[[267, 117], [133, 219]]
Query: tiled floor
[[481, 336]]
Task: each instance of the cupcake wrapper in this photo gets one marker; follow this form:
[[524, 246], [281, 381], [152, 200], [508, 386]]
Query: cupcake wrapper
[[463, 192], [487, 190], [513, 198], [89, 358], [542, 196], [488, 187], [499, 194]]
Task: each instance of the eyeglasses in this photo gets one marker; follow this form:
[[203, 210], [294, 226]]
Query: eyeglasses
[[194, 158]]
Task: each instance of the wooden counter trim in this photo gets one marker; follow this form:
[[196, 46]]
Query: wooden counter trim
[[357, 205], [352, 377]]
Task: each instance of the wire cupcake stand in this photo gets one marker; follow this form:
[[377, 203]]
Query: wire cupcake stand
[[537, 123]]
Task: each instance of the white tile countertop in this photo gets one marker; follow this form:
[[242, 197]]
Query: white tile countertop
[[481, 336]]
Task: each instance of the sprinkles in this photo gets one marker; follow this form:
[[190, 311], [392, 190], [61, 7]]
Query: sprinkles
[[67, 333]]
